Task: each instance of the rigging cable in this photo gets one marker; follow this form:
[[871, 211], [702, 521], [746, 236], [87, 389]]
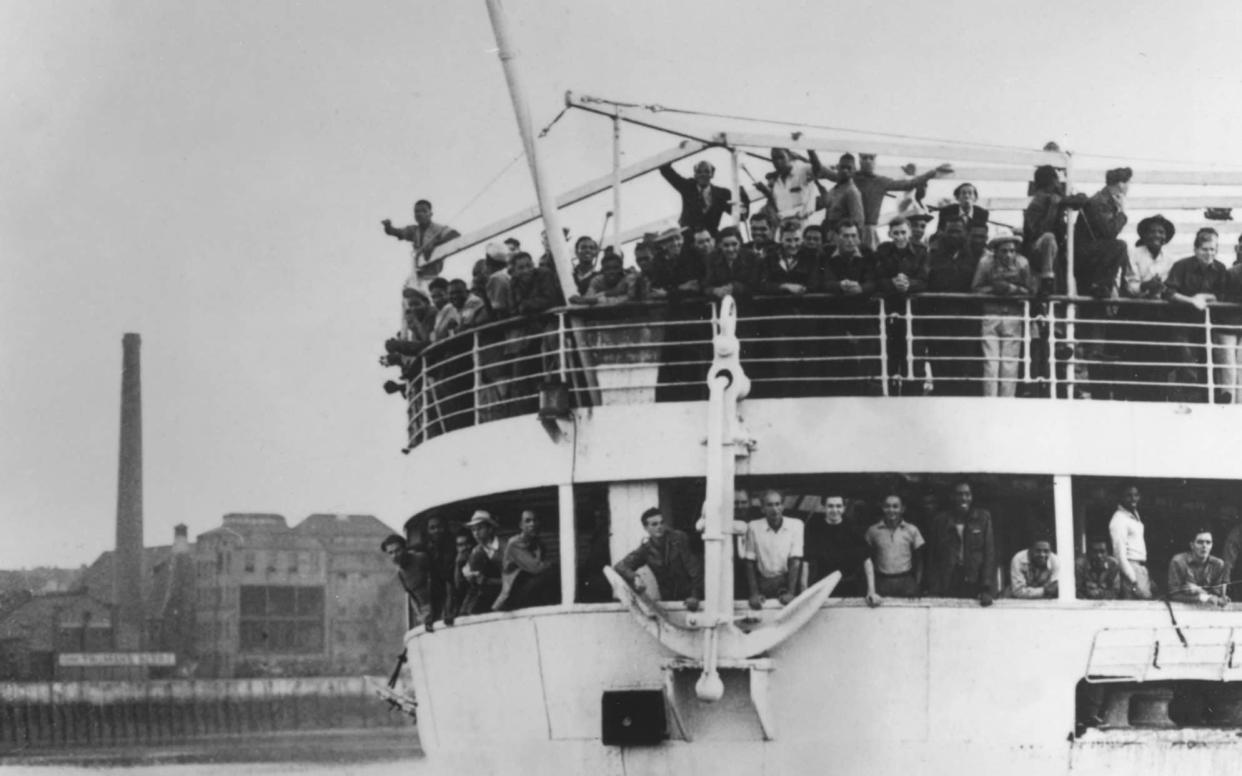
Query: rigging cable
[[487, 186]]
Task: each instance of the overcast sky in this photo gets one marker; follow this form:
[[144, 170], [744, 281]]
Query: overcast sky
[[212, 175]]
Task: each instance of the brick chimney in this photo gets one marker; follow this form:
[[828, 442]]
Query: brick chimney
[[127, 571]]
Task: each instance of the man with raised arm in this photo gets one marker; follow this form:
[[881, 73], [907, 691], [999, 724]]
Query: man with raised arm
[[702, 203], [873, 187], [790, 189], [1098, 576], [665, 552], [844, 201], [1034, 572], [962, 562], [527, 577], [1126, 530], [1198, 576], [897, 552], [1098, 253], [773, 553], [424, 236]]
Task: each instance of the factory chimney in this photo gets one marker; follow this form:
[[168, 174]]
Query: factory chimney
[[127, 568]]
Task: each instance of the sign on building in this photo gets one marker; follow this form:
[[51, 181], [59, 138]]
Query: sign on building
[[96, 659]]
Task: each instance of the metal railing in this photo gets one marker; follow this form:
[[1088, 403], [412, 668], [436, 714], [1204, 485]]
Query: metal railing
[[930, 344]]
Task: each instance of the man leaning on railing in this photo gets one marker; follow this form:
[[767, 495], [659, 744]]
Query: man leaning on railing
[[1006, 275]]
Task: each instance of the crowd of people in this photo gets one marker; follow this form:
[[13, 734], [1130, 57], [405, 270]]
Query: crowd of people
[[783, 259], [949, 552]]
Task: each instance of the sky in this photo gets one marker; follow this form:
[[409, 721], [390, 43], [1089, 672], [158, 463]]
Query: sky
[[212, 176]]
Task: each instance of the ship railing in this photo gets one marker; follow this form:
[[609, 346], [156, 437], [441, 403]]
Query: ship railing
[[930, 344]]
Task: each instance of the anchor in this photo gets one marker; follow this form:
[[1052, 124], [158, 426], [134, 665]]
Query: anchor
[[714, 635]]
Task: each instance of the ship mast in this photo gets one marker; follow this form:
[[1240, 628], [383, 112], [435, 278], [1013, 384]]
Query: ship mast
[[543, 191]]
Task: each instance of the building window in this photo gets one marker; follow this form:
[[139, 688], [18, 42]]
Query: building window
[[281, 618], [250, 562]]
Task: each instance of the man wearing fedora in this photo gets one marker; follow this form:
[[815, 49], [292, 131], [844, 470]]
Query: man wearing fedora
[[1142, 277], [483, 571], [1004, 274]]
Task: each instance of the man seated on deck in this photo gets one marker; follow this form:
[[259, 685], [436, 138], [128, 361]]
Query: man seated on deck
[[414, 573], [613, 285], [702, 203], [897, 552], [962, 562], [1043, 226], [1098, 576], [527, 577], [1033, 572], [665, 552], [1198, 576], [424, 236], [484, 571], [773, 553], [833, 544]]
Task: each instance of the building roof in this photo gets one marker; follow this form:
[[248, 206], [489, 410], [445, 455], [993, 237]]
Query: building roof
[[97, 578], [325, 525]]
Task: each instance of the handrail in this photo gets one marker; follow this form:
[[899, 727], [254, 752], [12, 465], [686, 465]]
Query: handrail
[[826, 345]]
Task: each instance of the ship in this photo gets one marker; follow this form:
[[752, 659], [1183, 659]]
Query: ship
[[611, 410]]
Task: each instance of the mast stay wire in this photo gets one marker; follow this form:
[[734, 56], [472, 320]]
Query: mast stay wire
[[657, 108], [487, 186]]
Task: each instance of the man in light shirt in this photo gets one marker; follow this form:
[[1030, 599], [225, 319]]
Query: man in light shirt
[[896, 550], [1033, 572], [791, 188], [1129, 547], [773, 553]]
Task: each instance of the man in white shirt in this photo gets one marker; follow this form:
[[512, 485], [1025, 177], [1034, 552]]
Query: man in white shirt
[[1129, 547], [791, 188], [773, 553]]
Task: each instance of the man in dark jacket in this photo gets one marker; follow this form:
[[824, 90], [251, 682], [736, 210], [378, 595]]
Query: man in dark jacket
[[666, 554], [702, 204], [963, 552]]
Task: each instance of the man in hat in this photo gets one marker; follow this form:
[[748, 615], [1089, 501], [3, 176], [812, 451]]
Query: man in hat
[[1043, 227], [424, 236], [1148, 264], [1098, 253], [873, 188], [1142, 277], [918, 227], [528, 578], [702, 203], [483, 572], [1004, 274], [965, 209], [665, 552]]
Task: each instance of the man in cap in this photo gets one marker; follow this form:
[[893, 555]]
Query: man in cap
[[1098, 253], [1007, 275], [1043, 226], [873, 189], [918, 227], [665, 552], [484, 571], [424, 236], [702, 203], [528, 578]]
